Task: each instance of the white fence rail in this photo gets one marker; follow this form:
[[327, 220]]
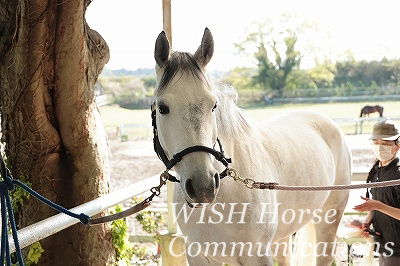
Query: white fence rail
[[56, 223]]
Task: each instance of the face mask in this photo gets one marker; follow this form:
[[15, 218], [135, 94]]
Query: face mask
[[383, 152]]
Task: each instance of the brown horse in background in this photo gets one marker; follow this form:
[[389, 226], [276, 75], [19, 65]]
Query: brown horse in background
[[366, 110]]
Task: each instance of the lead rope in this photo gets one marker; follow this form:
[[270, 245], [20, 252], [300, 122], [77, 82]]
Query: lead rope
[[252, 184], [138, 207]]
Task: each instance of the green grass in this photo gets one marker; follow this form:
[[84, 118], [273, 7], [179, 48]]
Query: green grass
[[332, 110], [113, 115]]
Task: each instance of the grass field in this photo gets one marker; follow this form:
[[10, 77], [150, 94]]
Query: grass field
[[113, 115]]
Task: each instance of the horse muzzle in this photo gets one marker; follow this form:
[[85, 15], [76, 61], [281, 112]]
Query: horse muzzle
[[199, 189]]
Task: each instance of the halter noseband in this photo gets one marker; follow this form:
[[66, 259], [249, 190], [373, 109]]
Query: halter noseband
[[219, 155]]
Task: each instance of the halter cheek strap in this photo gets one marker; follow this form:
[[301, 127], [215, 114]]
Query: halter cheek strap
[[156, 142], [219, 155]]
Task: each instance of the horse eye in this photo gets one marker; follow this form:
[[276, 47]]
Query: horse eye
[[215, 106], [163, 109]]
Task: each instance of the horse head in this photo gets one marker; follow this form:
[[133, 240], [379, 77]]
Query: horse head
[[185, 117], [379, 109]]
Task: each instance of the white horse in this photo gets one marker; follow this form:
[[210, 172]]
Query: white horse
[[234, 224]]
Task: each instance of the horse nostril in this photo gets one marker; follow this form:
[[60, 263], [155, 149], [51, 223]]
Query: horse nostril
[[217, 180], [189, 189]]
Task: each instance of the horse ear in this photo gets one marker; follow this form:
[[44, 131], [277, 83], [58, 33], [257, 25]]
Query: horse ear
[[162, 50], [206, 49]]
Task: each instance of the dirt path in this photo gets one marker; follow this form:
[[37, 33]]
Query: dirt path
[[132, 161]]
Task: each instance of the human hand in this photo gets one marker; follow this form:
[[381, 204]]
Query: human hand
[[368, 205], [366, 231]]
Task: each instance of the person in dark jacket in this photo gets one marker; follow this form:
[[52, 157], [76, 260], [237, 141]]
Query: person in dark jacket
[[384, 208]]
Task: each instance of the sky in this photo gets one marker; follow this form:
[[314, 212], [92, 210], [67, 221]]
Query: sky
[[370, 29]]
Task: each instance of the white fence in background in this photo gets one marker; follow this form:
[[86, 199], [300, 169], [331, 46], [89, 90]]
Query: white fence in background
[[123, 128], [104, 99], [360, 120]]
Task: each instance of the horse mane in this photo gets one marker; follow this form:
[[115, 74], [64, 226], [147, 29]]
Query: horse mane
[[180, 61], [230, 119]]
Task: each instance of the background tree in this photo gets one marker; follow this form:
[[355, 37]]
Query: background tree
[[367, 73], [50, 60], [150, 82], [273, 46], [300, 79], [130, 91], [392, 67], [240, 78], [323, 74]]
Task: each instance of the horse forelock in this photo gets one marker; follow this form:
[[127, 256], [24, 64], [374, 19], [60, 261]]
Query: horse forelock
[[180, 61]]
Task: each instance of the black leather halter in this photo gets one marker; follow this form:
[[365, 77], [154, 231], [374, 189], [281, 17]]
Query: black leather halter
[[169, 163]]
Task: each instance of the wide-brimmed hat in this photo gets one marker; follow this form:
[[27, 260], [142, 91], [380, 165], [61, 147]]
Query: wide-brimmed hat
[[386, 130]]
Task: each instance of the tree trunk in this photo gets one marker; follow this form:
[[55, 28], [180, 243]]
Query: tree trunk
[[50, 60]]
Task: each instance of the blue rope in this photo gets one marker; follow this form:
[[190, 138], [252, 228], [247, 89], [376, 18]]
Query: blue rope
[[14, 230], [83, 218], [6, 185], [3, 227]]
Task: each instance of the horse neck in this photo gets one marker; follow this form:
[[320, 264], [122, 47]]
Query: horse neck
[[234, 128]]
